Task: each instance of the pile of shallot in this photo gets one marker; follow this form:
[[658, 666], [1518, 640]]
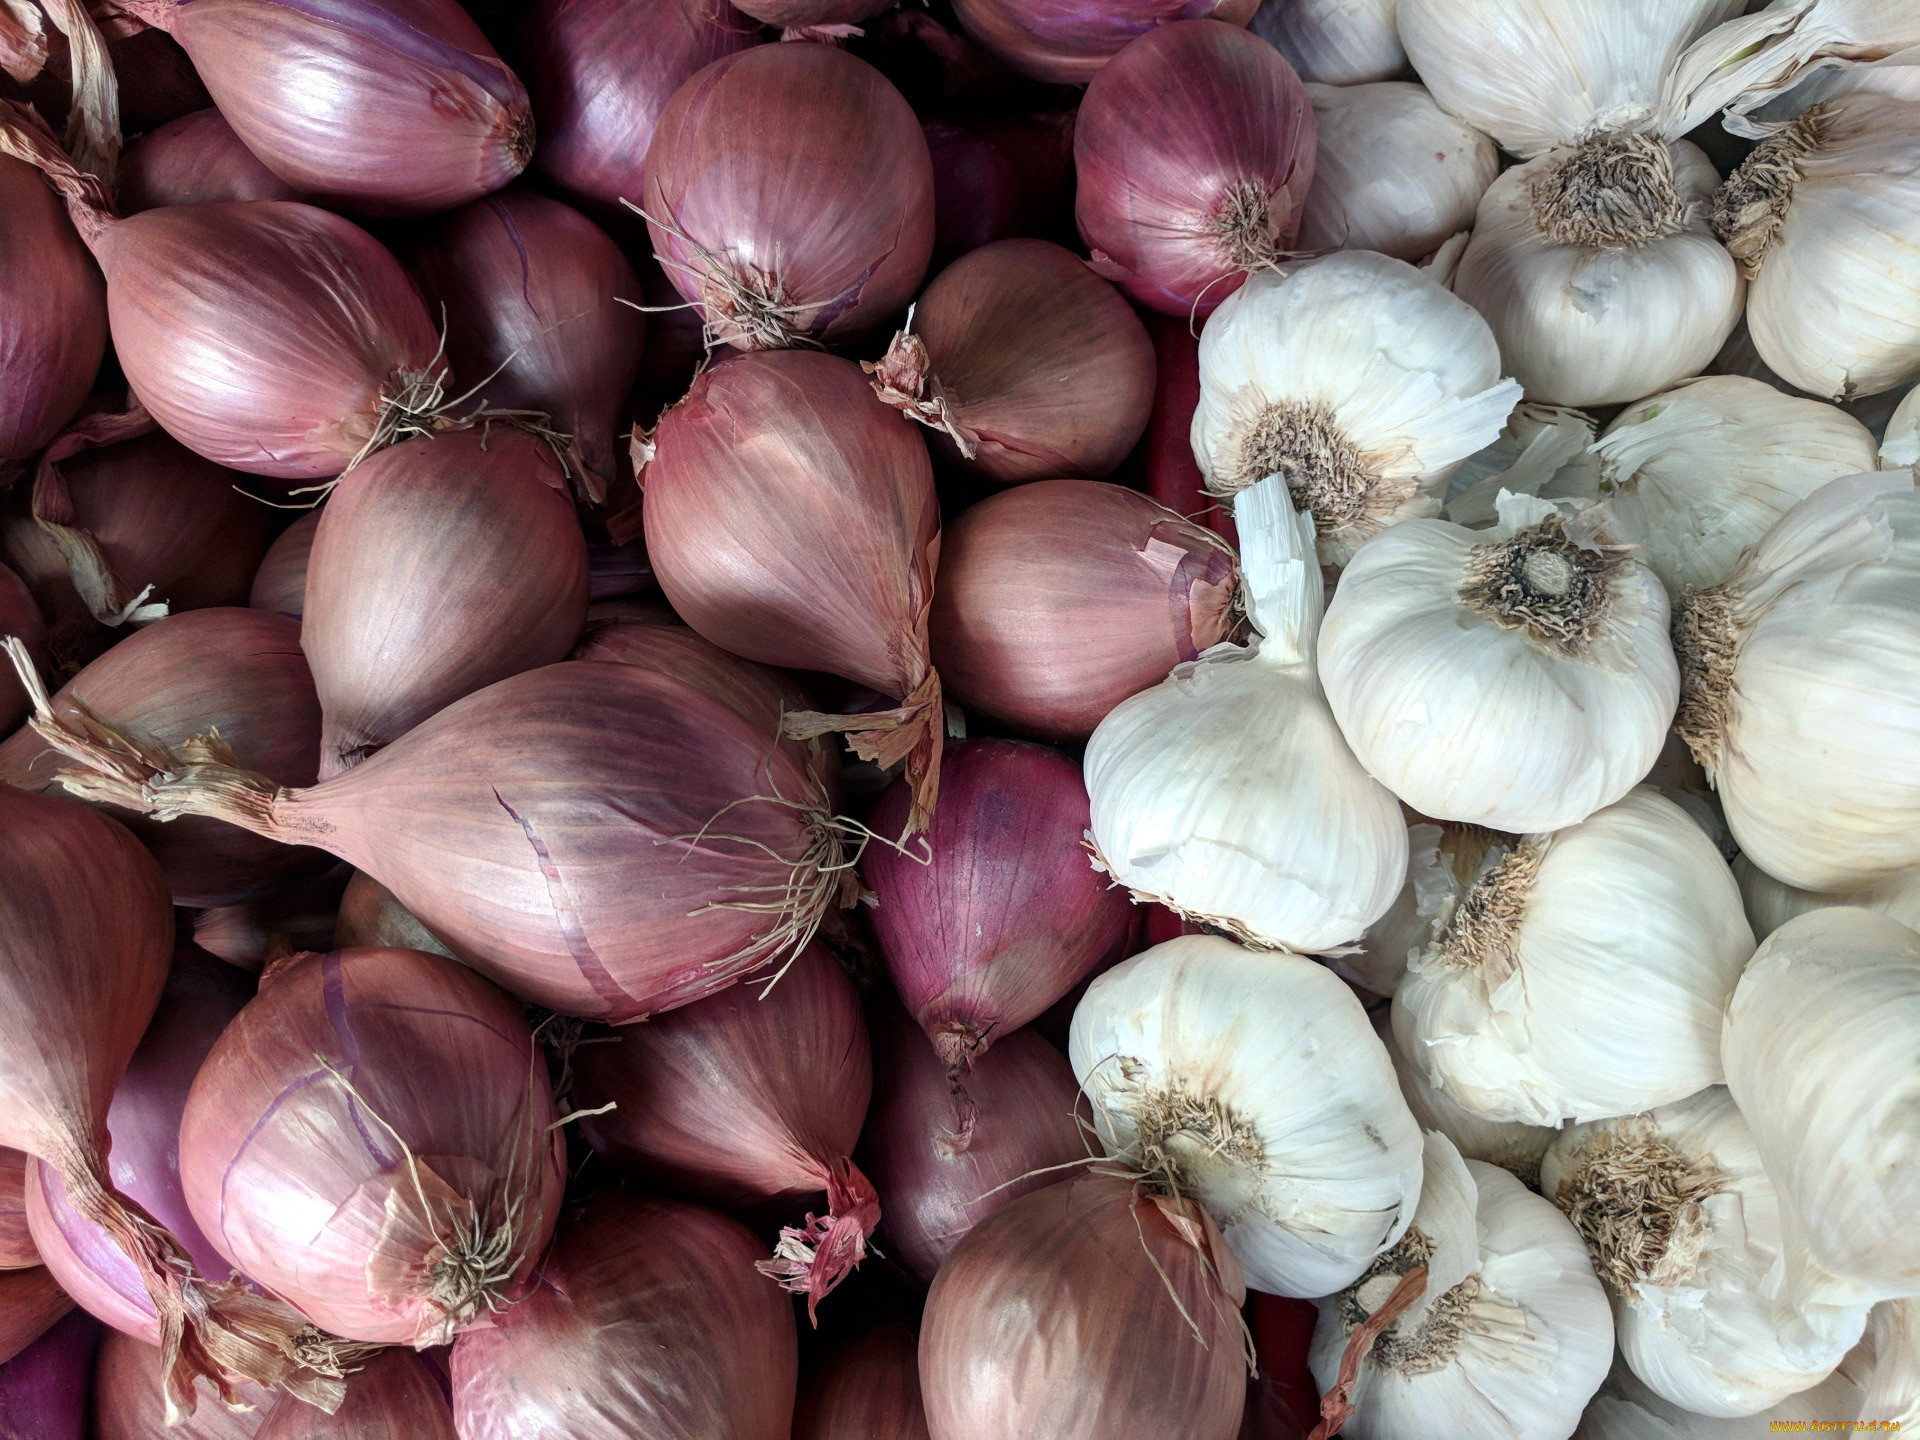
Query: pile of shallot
[[847, 720]]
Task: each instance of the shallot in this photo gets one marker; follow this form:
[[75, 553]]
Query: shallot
[[867, 1388], [280, 584], [194, 160], [995, 177], [1067, 44]]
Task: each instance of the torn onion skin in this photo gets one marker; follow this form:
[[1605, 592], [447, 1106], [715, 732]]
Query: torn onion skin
[[129, 1399], [195, 160]]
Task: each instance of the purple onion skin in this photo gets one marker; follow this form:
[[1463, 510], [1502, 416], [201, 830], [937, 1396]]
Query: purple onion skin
[[194, 160], [280, 584], [53, 324], [997, 177], [43, 1389]]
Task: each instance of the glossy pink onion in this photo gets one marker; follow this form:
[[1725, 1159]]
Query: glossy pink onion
[[1067, 43], [393, 1396], [129, 1399], [1048, 637], [995, 177], [371, 1141], [280, 584], [440, 566], [649, 1320], [30, 1301], [867, 1389], [195, 160], [19, 615], [752, 1100], [1194, 152], [791, 518], [43, 1389], [790, 196]]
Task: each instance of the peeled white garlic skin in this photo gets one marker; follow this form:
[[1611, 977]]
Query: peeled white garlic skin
[[1696, 1322], [1514, 1146], [1820, 1045], [1813, 735], [1510, 1338], [1468, 721], [1771, 903], [1260, 1078], [1835, 303], [1697, 474], [1334, 42], [1602, 992], [1393, 171], [1582, 325]]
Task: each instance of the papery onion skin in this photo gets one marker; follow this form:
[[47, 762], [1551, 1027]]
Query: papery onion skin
[[1025, 364], [539, 309], [1049, 638], [370, 916], [600, 72], [1194, 154], [1007, 914], [868, 1389], [238, 671], [194, 160], [402, 1094], [1024, 1096], [394, 1396], [789, 194], [280, 584], [649, 1320], [128, 1399], [440, 566], [1094, 1265], [1066, 44], [386, 107], [43, 1389], [16, 1241], [30, 1302], [996, 177], [19, 615]]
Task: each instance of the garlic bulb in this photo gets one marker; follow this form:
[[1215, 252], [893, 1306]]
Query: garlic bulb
[[1357, 378], [1696, 475], [1824, 218], [1519, 680], [1801, 686], [1544, 450], [1771, 903], [1226, 792], [1508, 1340], [1252, 1083], [1900, 446], [1820, 1045], [1625, 1409], [1514, 1146], [1886, 1364], [1393, 171], [1683, 1227], [1581, 974], [1334, 42]]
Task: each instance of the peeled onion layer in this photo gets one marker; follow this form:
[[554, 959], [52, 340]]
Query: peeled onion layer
[[43, 1389], [1064, 43], [867, 1388], [440, 565], [195, 160]]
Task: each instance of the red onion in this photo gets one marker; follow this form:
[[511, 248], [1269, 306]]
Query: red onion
[[17, 1250], [749, 1101], [434, 1199], [791, 518], [294, 917], [603, 840], [195, 160], [1049, 637], [280, 584], [43, 1389], [388, 107], [1166, 452], [649, 1321], [236, 671], [939, 1184], [268, 336], [1194, 152], [539, 314], [19, 615], [1138, 1301], [868, 1389], [600, 72], [1067, 43], [129, 1399], [1282, 1335], [53, 328], [995, 177], [440, 566], [394, 1396], [1024, 363], [617, 569], [789, 195], [30, 1301], [370, 916]]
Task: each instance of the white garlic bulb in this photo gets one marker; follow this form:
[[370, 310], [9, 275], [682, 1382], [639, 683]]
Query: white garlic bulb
[[1514, 1146], [1886, 1364], [1683, 1227], [1518, 679], [1357, 378], [1511, 1335], [1625, 1409], [1334, 42], [1824, 218], [1697, 474], [1900, 446], [1545, 450], [1253, 1083], [1801, 686], [1581, 974], [1771, 903], [1393, 171], [1822, 1051]]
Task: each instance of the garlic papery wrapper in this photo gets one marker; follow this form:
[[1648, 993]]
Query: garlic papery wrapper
[[1334, 42], [1900, 446], [1520, 679], [1694, 476], [1252, 1083], [1683, 1227], [1544, 450], [1508, 1340], [1393, 172], [1359, 380], [1822, 1051], [1514, 1146], [1227, 793], [1824, 218], [1801, 686], [1886, 1363], [1771, 903], [1582, 974]]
